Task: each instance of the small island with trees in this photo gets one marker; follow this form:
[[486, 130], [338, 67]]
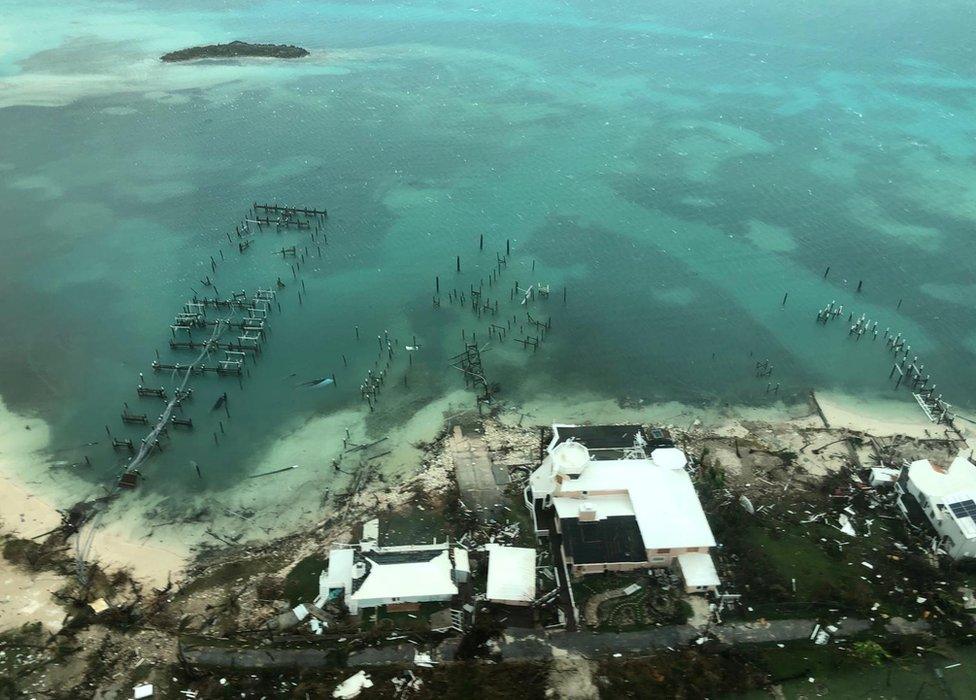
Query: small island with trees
[[235, 49]]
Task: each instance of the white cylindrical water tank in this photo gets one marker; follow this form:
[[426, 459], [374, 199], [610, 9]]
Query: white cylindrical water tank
[[569, 458]]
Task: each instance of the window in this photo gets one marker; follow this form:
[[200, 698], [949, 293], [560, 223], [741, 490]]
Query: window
[[657, 560], [666, 550]]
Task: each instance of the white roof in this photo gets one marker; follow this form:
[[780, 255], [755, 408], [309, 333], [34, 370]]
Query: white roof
[[408, 580], [605, 506], [461, 560], [882, 476], [669, 458], [664, 500], [569, 457], [371, 529], [947, 486], [937, 482], [698, 569], [511, 573], [339, 574]]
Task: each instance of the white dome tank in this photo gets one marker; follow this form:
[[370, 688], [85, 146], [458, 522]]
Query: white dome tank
[[569, 458]]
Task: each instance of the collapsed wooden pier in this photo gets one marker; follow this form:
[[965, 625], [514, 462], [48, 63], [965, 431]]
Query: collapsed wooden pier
[[210, 317]]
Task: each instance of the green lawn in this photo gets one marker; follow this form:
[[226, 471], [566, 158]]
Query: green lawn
[[800, 557], [302, 582]]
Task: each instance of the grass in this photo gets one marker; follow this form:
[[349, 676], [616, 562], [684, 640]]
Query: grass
[[689, 673], [518, 513], [301, 585], [412, 526], [807, 660], [787, 568], [797, 557]]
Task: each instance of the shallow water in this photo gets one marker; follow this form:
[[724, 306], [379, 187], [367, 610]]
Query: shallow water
[[678, 172]]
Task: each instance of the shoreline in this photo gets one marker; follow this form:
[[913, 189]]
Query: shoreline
[[296, 502], [224, 593]]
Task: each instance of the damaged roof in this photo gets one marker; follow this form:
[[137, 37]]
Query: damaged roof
[[611, 540]]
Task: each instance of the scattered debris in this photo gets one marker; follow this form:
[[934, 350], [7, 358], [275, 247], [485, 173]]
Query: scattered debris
[[352, 686]]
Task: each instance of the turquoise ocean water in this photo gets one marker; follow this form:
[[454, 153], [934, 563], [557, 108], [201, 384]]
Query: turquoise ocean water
[[677, 167]]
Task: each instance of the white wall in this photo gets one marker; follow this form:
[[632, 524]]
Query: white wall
[[961, 547], [376, 602]]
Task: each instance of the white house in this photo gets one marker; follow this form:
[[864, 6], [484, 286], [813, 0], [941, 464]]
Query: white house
[[945, 496], [511, 575], [698, 572], [369, 576], [620, 501]]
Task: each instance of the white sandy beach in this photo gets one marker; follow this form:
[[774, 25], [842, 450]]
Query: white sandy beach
[[29, 503], [128, 537]]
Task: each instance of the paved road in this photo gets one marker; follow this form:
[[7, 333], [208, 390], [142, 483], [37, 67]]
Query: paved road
[[528, 644]]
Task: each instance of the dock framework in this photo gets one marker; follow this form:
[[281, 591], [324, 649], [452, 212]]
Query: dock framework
[[203, 324]]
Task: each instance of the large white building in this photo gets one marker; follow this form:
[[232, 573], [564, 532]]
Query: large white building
[[621, 501], [368, 576], [945, 496]]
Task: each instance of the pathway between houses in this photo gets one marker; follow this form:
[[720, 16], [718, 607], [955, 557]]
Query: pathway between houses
[[472, 467]]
